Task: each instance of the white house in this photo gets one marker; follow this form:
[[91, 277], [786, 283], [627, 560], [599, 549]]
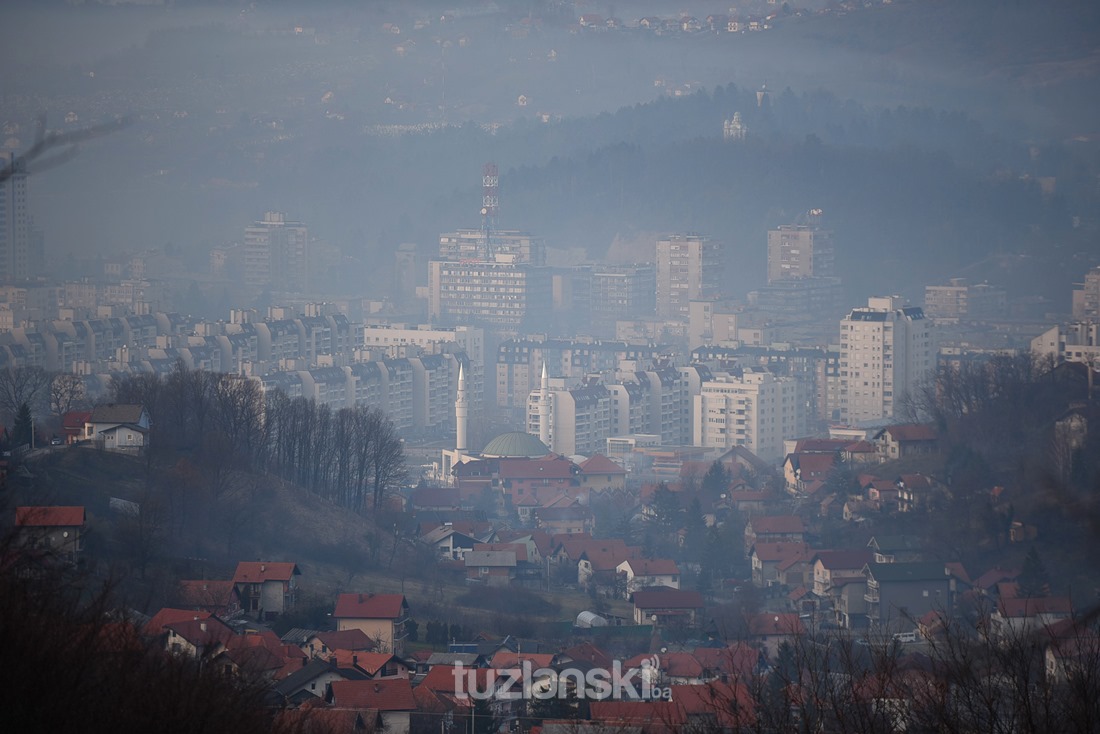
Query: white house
[[118, 426]]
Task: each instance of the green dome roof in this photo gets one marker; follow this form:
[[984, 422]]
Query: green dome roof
[[515, 444]]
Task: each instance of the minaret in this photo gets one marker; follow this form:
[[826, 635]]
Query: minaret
[[544, 407], [462, 411]]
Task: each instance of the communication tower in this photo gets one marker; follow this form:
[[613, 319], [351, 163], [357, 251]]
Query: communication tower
[[490, 203]]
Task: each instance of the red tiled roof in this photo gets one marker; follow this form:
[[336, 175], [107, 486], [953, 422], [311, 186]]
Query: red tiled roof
[[769, 623], [600, 464], [435, 497], [156, 624], [813, 466], [205, 594], [443, 678], [1032, 606], [589, 653], [652, 566], [681, 665], [550, 467], [739, 658], [202, 632], [370, 606], [911, 432], [731, 703], [520, 549], [661, 597], [778, 524], [776, 552], [820, 445], [53, 517], [74, 420], [506, 659], [257, 572], [368, 662], [844, 559], [387, 694], [352, 639]]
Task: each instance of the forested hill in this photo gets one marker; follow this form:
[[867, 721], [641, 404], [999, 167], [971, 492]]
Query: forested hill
[[914, 195]]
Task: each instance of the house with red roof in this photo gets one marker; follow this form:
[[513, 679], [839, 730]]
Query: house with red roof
[[766, 558], [266, 589], [774, 529], [570, 520], [381, 617], [499, 564], [324, 644], [1014, 617], [118, 426], [771, 629], [72, 425], [392, 698], [803, 471], [57, 528], [601, 474], [663, 605], [915, 491], [219, 598], [906, 440], [205, 637], [829, 565], [641, 573]]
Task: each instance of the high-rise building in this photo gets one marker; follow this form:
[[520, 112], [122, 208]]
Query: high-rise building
[[886, 349], [502, 296], [798, 251], [20, 247], [276, 254], [689, 267], [962, 300], [620, 292], [1086, 299], [477, 244], [754, 409]]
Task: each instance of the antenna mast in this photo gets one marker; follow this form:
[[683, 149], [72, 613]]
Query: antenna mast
[[490, 202]]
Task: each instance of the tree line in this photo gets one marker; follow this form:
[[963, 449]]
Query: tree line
[[351, 456]]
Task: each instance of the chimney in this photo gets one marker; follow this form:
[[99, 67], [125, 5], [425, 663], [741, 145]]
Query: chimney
[[263, 568], [202, 626]]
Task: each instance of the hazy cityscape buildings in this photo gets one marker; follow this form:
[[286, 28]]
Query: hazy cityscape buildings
[[20, 246], [960, 299], [1086, 298], [886, 349], [797, 251], [689, 267], [276, 254]]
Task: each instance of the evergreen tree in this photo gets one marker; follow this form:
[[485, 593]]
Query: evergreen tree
[[23, 430], [1034, 579]]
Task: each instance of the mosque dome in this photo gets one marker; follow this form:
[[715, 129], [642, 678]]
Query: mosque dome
[[515, 445]]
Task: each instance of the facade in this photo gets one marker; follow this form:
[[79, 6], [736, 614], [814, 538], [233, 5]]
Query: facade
[[886, 349], [504, 296], [570, 420], [1076, 342], [519, 362], [689, 267], [1086, 299], [620, 292], [798, 251], [276, 254], [962, 300], [58, 528], [470, 244], [898, 594], [754, 409], [267, 589], [381, 617], [20, 247]]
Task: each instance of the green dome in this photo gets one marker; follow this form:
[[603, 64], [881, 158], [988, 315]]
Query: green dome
[[515, 444]]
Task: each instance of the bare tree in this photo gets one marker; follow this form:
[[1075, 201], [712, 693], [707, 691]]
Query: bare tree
[[67, 393], [19, 385]]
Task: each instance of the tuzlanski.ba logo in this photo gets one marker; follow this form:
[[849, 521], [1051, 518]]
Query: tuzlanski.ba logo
[[599, 684]]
